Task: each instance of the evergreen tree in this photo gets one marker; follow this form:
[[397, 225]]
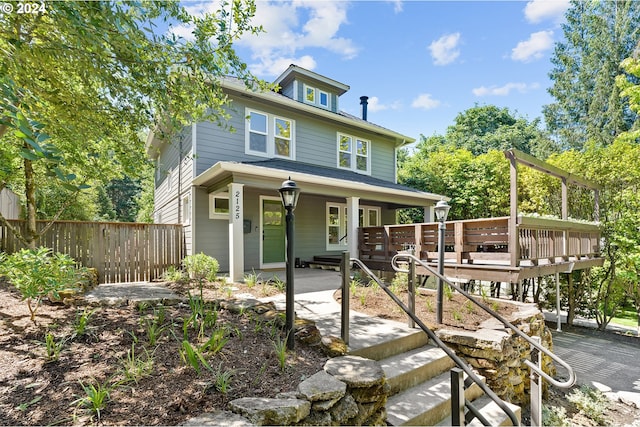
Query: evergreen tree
[[597, 37]]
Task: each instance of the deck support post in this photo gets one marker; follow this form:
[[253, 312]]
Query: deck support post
[[345, 269]]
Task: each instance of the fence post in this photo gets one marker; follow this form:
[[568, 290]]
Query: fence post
[[345, 268], [457, 397], [536, 385]]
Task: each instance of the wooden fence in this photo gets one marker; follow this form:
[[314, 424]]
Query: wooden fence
[[121, 252]]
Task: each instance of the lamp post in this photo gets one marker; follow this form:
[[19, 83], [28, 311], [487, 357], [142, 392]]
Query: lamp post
[[442, 210], [289, 193]]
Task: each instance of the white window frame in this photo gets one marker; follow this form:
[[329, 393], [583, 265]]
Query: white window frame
[[186, 210], [305, 90], [353, 153], [342, 223], [319, 94], [271, 135], [212, 206], [169, 180]]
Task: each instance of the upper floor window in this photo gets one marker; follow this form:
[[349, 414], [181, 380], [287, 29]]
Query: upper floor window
[[269, 136], [353, 153], [316, 96]]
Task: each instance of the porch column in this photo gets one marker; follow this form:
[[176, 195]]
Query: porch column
[[353, 220], [236, 235], [429, 214]]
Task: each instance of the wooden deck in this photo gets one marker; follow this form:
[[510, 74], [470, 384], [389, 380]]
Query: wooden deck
[[481, 249]]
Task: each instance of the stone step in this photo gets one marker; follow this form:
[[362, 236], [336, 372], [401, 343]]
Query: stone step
[[393, 347], [492, 412], [409, 369], [427, 403]]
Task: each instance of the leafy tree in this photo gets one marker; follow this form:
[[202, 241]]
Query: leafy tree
[[598, 35], [80, 81], [484, 128]]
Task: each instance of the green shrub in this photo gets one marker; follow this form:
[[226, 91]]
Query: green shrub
[[591, 402], [201, 267], [38, 273]]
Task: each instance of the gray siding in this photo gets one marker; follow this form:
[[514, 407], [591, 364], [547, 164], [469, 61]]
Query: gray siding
[[212, 235], [315, 141]]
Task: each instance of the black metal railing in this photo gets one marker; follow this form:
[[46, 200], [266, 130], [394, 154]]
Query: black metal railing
[[457, 405]]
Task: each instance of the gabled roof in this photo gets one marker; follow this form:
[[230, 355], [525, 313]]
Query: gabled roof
[[294, 71]]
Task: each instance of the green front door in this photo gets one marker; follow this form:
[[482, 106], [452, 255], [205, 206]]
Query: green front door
[[273, 229]]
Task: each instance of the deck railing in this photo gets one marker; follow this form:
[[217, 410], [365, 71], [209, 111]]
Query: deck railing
[[485, 241]]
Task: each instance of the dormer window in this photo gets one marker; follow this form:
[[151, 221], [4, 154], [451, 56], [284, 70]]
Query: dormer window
[[315, 96]]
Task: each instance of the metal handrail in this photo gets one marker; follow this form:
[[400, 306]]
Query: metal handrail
[[457, 360], [565, 384]]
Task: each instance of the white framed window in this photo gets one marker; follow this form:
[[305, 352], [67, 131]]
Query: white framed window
[[186, 210], [323, 99], [337, 223], [354, 153], [170, 180], [268, 135], [309, 94], [219, 206]]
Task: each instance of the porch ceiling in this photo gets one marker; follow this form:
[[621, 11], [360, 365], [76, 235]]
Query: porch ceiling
[[311, 179]]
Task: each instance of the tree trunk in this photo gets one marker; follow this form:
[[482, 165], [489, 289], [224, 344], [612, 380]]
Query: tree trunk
[[31, 234]]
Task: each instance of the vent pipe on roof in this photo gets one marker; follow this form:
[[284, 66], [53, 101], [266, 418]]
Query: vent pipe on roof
[[364, 101]]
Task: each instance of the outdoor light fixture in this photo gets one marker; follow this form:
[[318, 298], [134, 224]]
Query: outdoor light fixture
[[442, 210], [289, 193]]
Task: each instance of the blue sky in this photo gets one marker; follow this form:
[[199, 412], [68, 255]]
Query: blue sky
[[420, 62]]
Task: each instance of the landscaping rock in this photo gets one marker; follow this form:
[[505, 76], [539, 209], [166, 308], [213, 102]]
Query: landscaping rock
[[334, 346], [322, 386], [344, 410], [221, 418], [355, 371], [264, 411]]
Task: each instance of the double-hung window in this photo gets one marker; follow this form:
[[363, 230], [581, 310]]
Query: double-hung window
[[268, 135], [354, 153]]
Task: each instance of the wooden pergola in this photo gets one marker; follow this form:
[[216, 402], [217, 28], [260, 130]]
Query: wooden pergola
[[506, 249]]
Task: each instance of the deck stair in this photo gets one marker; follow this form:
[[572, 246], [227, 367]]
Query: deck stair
[[418, 374]]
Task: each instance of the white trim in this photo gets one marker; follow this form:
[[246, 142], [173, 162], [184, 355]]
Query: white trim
[[392, 195], [236, 232], [343, 223], [261, 232], [211, 205], [305, 91], [270, 135], [353, 153], [186, 207]]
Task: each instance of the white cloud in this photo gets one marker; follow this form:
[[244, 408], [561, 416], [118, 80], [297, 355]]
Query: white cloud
[[425, 101], [538, 10], [293, 26], [533, 48], [275, 66], [374, 105], [397, 5], [505, 89], [444, 50]]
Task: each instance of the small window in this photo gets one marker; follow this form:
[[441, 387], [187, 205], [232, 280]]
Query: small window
[[323, 99], [309, 95], [186, 210], [219, 206], [169, 180], [344, 151], [282, 137]]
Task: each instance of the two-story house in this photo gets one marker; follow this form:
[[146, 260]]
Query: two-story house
[[223, 186]]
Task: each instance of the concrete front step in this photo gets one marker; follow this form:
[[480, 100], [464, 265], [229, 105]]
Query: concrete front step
[[491, 411], [427, 403], [393, 347], [415, 366]]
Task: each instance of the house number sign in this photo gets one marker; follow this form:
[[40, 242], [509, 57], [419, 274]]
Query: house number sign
[[237, 204]]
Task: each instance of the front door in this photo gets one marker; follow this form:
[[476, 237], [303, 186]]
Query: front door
[[273, 233]]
